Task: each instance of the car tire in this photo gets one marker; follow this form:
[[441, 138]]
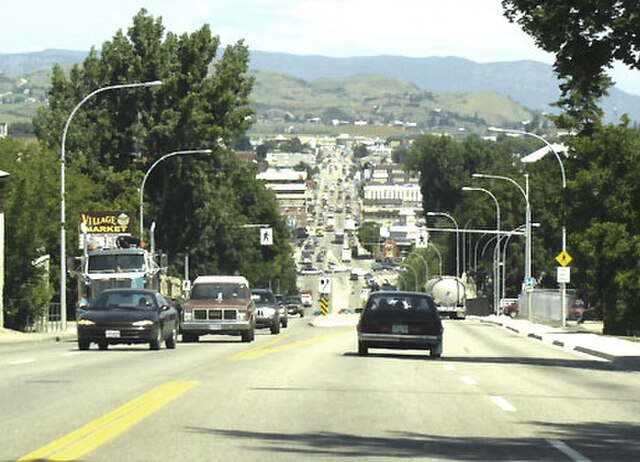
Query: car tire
[[170, 342], [155, 343], [363, 349], [103, 346], [275, 328], [189, 338], [247, 335], [83, 345], [436, 352], [302, 314]]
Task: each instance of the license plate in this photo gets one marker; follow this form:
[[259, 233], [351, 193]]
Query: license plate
[[112, 333], [399, 329], [215, 327]]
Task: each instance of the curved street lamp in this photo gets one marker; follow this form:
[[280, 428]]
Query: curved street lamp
[[439, 257], [496, 261], [146, 175], [63, 250], [443, 214], [563, 285], [415, 275], [424, 261]]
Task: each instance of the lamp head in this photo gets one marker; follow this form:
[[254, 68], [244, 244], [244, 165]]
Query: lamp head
[[153, 83]]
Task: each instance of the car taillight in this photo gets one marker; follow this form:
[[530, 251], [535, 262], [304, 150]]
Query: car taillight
[[375, 328]]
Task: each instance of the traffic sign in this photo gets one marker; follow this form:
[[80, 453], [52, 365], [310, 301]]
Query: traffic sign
[[564, 258], [324, 305], [529, 282], [266, 236], [422, 240], [564, 274], [324, 286]]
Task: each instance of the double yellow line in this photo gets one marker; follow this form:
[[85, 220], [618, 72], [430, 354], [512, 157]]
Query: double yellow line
[[269, 348], [84, 440]]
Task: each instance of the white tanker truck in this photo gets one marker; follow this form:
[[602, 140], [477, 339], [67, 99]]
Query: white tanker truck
[[449, 294]]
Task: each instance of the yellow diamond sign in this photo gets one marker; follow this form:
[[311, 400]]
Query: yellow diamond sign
[[564, 258]]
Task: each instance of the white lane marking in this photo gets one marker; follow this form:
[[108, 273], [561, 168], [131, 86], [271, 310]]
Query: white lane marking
[[469, 380], [449, 367], [21, 361], [567, 451], [503, 404]]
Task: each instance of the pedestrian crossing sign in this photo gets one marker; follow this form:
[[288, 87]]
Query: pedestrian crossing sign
[[266, 236], [564, 258]]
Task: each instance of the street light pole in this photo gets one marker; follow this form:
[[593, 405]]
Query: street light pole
[[424, 261], [496, 283], [563, 285], [439, 257], [146, 175], [527, 252], [63, 250], [415, 275], [434, 214]]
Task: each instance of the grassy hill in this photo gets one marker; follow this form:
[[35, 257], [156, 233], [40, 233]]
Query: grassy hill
[[389, 105], [379, 100]]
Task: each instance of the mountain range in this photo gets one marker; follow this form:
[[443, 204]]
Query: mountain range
[[529, 83]]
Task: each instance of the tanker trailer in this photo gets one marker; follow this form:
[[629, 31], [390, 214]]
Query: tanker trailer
[[449, 294]]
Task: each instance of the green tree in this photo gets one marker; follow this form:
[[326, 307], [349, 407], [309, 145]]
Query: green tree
[[360, 151], [369, 236], [29, 198], [292, 145], [605, 222], [586, 38], [196, 201]]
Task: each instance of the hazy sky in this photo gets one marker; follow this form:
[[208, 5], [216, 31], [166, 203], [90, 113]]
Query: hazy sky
[[472, 29]]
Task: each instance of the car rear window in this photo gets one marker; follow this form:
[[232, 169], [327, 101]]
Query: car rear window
[[386, 304], [263, 296]]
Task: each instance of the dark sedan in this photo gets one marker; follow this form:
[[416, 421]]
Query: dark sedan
[[400, 320], [128, 316]]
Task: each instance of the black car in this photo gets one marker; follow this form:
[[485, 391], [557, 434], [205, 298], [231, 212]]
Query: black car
[[128, 316], [294, 305], [400, 320], [267, 310]]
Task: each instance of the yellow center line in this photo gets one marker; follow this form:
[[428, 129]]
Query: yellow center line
[[87, 438], [257, 353], [241, 354]]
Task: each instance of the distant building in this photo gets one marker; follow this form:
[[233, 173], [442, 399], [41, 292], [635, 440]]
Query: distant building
[[4, 130], [292, 193], [384, 203]]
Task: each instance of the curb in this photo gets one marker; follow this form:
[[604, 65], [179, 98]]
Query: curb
[[617, 362]]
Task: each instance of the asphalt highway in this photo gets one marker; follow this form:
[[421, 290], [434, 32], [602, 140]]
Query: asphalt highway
[[306, 395]]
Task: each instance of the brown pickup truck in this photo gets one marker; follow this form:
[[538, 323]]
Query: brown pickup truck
[[219, 305]]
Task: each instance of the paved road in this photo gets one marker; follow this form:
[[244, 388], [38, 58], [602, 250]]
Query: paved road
[[306, 395]]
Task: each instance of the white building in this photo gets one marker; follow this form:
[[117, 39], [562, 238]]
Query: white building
[[4, 130], [292, 193], [384, 203]]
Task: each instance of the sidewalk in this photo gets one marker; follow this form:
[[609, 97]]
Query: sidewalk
[[8, 336], [623, 354]]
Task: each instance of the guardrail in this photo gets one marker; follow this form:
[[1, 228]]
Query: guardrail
[[50, 322]]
